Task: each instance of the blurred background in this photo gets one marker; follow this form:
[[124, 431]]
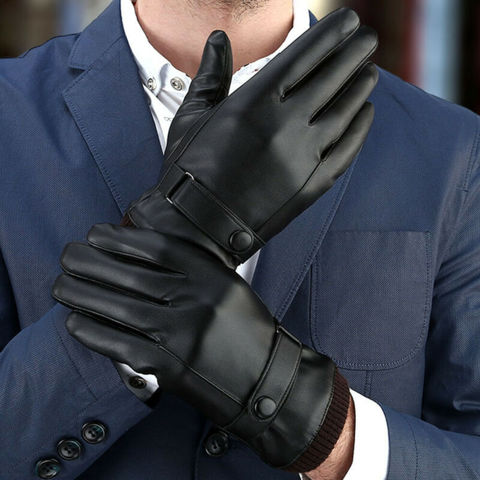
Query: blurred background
[[434, 44]]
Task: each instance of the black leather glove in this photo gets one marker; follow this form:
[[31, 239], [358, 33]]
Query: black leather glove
[[169, 308], [238, 169]]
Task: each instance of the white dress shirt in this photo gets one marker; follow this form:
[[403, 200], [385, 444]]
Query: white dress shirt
[[166, 88]]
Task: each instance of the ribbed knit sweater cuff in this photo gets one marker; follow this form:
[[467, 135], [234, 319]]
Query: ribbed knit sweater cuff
[[126, 222], [329, 432]]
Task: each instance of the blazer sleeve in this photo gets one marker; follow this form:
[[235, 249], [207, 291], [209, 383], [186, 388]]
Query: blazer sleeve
[[445, 442], [50, 386]]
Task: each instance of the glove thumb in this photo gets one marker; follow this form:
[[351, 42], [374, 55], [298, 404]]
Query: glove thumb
[[210, 86], [212, 82]]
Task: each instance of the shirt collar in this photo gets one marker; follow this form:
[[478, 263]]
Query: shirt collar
[[155, 69]]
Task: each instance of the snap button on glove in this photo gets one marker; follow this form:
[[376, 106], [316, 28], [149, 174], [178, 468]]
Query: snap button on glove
[[168, 307], [239, 168]]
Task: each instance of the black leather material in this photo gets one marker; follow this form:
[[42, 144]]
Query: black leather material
[[239, 168], [168, 307]]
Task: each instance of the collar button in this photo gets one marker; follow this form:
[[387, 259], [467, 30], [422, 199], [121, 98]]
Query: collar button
[[177, 83], [151, 84]]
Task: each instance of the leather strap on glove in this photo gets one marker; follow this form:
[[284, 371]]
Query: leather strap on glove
[[169, 308], [239, 168]]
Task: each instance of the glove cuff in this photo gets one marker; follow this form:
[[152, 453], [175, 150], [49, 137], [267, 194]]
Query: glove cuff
[[329, 432]]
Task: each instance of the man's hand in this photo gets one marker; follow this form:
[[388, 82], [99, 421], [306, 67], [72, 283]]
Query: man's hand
[[239, 168], [167, 307]]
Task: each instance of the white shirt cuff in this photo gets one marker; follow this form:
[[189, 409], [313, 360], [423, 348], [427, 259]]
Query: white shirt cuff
[[371, 448]]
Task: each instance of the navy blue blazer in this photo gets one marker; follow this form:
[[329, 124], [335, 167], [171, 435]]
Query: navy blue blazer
[[382, 274]]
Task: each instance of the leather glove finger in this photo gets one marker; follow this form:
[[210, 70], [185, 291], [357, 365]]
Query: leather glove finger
[[108, 339], [309, 51], [155, 282], [334, 73], [334, 120], [210, 86]]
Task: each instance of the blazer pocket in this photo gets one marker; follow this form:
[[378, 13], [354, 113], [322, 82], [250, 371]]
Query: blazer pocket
[[371, 297]]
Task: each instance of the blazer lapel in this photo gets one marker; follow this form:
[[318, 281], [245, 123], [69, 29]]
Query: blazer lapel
[[286, 259], [111, 110]]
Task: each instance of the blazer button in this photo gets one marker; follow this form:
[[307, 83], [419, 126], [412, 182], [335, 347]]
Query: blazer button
[[94, 432], [47, 468], [69, 449], [216, 444]]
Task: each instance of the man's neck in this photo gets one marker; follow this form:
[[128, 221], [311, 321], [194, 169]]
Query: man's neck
[[178, 29]]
